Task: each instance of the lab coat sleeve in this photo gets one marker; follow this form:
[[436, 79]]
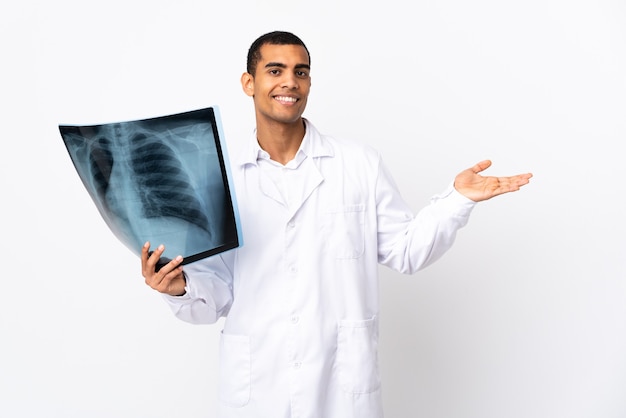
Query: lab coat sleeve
[[208, 290], [407, 242]]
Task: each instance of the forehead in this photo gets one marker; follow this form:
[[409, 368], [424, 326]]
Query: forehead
[[284, 54]]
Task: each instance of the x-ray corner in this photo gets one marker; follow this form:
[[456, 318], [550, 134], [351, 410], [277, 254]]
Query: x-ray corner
[[164, 179]]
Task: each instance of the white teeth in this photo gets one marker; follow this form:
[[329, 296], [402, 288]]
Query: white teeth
[[286, 99]]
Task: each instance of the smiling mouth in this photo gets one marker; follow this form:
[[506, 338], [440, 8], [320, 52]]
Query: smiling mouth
[[285, 99]]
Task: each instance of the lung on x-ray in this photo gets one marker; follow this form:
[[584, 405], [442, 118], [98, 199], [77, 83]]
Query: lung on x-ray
[[165, 180]]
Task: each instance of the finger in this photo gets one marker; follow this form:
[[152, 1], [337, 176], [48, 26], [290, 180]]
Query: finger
[[526, 177], [481, 166], [145, 249], [151, 260], [156, 254], [164, 278], [172, 283], [144, 256], [520, 179], [514, 183], [171, 265]]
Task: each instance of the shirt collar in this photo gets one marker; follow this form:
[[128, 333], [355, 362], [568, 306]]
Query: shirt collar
[[313, 145]]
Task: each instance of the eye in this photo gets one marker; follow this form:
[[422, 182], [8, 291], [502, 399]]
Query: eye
[[302, 74], [274, 71]]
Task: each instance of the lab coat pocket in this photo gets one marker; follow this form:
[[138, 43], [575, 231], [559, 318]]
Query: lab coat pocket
[[234, 370], [357, 356], [344, 229]]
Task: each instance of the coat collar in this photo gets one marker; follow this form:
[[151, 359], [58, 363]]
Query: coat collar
[[313, 145]]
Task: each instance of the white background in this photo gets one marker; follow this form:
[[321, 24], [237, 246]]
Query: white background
[[524, 318]]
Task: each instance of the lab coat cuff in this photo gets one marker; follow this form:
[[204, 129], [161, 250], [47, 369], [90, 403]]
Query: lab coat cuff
[[453, 202], [179, 299]]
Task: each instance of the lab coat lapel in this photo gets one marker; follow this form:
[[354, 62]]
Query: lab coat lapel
[[311, 181], [269, 189]]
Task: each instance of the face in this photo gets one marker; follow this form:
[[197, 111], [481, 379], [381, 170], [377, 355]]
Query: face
[[281, 85]]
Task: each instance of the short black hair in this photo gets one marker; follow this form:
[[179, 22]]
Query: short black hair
[[271, 38]]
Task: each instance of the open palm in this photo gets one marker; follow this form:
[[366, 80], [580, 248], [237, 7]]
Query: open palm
[[477, 188]]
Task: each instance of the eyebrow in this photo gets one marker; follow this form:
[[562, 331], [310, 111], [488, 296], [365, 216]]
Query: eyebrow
[[281, 65]]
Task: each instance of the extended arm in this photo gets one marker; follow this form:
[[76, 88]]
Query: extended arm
[[407, 242]]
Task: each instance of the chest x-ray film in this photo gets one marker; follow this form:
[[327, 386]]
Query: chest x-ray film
[[165, 180]]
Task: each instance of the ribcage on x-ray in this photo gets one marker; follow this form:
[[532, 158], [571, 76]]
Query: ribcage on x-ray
[[157, 180], [164, 187]]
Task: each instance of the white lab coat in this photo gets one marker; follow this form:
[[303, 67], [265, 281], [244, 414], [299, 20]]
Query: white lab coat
[[301, 295]]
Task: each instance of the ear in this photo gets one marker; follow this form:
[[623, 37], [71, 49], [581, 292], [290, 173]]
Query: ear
[[247, 84]]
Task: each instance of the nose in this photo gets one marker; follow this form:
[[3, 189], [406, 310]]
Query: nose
[[290, 81]]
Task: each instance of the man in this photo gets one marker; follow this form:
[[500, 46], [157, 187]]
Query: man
[[318, 214]]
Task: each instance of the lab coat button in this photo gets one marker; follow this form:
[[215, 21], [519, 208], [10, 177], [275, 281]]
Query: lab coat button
[[297, 365], [294, 319]]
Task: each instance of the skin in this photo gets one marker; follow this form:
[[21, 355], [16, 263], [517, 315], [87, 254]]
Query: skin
[[280, 89]]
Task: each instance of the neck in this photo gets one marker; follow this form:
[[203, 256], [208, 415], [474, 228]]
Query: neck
[[281, 141]]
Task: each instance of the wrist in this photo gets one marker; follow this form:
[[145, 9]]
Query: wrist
[[184, 292]]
